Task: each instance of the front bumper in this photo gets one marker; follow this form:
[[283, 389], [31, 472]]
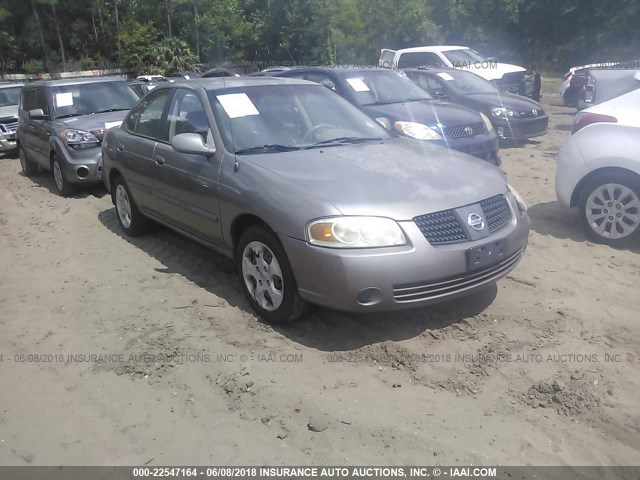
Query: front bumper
[[410, 276], [81, 166], [520, 128]]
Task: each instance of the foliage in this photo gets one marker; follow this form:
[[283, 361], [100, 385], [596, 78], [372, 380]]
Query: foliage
[[155, 36]]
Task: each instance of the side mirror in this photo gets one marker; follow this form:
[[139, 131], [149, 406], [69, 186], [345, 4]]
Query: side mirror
[[329, 84], [37, 114], [191, 143], [440, 95], [384, 121], [637, 75]]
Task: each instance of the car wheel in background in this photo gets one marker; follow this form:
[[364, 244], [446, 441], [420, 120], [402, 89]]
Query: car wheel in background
[[63, 186], [29, 168], [131, 220], [610, 209], [266, 276]]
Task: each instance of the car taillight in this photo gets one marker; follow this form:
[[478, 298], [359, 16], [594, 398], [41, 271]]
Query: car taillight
[[566, 76], [586, 118]]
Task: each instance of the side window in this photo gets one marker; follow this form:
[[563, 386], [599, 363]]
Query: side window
[[419, 59], [186, 115], [147, 117], [41, 100], [28, 100]]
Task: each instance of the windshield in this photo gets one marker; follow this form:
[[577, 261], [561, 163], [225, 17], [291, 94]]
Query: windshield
[[465, 56], [88, 98], [466, 82], [264, 119], [10, 96], [380, 87]]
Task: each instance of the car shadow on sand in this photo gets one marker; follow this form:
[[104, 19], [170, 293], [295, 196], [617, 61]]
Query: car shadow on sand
[[320, 328], [556, 220], [45, 180]]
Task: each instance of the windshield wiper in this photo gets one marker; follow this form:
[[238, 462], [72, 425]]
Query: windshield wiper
[[112, 110], [344, 140], [69, 115], [273, 147]]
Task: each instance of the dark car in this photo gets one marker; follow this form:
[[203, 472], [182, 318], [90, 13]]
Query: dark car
[[218, 72], [515, 117], [61, 124], [314, 200], [389, 97]]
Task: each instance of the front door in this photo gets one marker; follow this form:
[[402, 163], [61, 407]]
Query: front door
[[186, 186]]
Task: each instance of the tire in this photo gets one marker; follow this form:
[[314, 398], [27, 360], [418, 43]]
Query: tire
[[617, 223], [271, 291], [131, 220], [64, 188], [29, 169]]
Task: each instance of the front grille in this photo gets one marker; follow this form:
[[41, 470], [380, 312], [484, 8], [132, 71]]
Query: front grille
[[444, 228], [9, 127], [441, 228], [496, 212], [416, 292], [530, 114], [463, 131]]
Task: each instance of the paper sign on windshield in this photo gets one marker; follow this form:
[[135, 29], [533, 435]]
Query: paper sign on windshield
[[237, 105], [446, 76], [108, 125], [64, 99], [358, 85]]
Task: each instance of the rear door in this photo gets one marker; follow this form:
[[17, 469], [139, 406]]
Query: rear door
[[135, 145], [186, 186]]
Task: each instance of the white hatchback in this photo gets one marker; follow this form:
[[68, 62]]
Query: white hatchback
[[599, 169]]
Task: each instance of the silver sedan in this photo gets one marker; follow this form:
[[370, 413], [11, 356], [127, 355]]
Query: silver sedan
[[313, 200]]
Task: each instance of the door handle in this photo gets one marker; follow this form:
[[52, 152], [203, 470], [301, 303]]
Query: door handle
[[120, 147], [159, 160]]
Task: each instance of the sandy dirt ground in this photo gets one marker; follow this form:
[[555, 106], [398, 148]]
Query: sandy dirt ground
[[127, 352]]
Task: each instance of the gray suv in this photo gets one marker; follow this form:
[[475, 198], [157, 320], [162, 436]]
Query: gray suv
[[9, 99], [62, 123], [313, 199]]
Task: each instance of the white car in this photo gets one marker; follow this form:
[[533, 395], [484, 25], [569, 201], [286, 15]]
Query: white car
[[506, 76], [599, 169]]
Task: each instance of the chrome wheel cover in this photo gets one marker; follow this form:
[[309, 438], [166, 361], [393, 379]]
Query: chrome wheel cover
[[57, 176], [613, 211], [123, 206], [262, 275]]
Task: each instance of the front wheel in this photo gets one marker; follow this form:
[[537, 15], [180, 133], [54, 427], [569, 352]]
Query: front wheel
[[610, 209], [267, 278], [63, 186]]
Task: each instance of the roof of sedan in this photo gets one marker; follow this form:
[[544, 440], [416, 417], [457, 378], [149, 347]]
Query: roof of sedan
[[217, 83], [74, 81], [334, 68]]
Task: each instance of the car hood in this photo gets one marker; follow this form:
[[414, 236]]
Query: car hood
[[427, 112], [517, 103], [496, 72], [96, 121], [396, 178], [9, 111]]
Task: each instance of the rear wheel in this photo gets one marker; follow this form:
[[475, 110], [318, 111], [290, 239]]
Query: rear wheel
[[131, 220], [267, 278], [610, 209], [29, 168]]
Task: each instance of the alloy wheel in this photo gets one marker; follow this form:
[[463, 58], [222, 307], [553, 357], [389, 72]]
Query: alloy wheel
[[613, 211]]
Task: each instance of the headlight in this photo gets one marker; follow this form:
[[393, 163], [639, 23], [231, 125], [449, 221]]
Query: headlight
[[79, 139], [417, 131], [501, 112], [487, 122], [355, 232], [519, 201]]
